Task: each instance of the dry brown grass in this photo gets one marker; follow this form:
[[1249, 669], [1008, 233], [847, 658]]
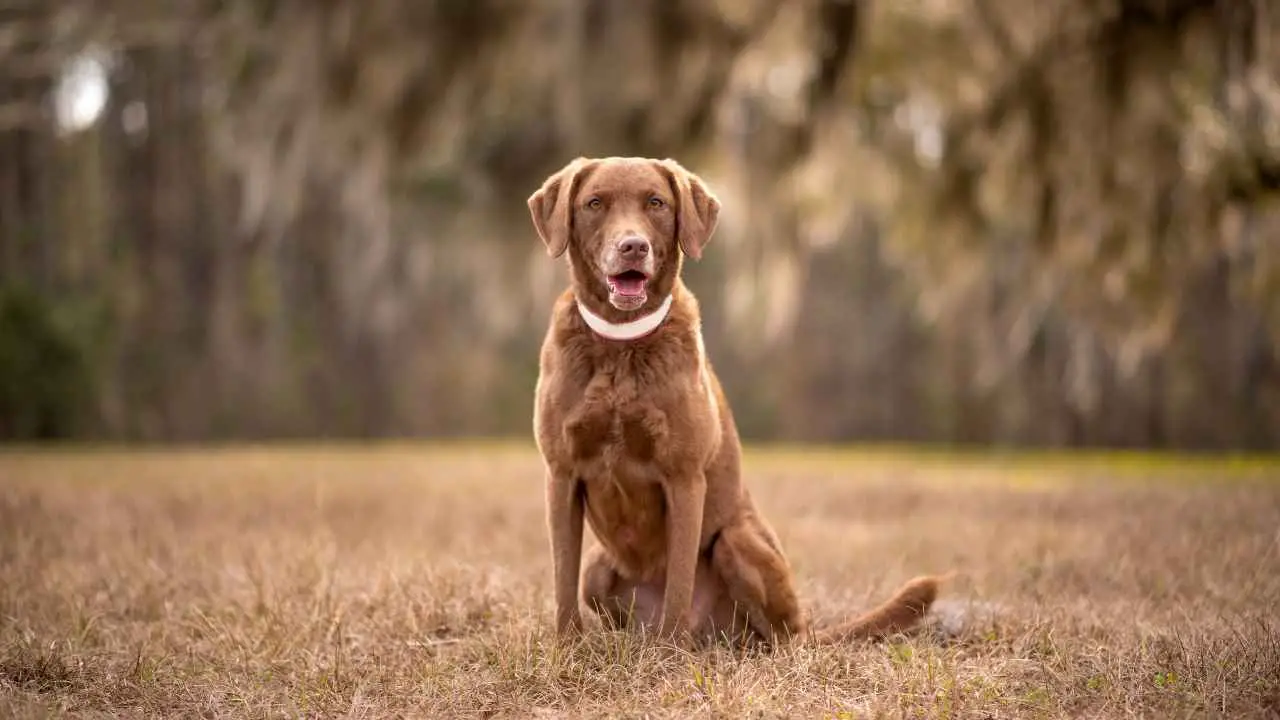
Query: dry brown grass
[[412, 581]]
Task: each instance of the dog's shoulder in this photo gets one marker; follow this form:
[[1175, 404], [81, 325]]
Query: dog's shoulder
[[681, 343], [563, 313], [563, 327]]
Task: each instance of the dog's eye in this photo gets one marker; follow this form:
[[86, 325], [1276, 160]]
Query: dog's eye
[[594, 203], [656, 202]]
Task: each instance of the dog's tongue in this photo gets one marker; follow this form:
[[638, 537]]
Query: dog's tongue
[[628, 284]]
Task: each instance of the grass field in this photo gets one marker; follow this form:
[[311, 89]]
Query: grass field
[[412, 580]]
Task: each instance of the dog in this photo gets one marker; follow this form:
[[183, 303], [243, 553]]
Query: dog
[[636, 435]]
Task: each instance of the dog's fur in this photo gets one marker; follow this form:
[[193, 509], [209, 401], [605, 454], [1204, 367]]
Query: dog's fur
[[638, 438]]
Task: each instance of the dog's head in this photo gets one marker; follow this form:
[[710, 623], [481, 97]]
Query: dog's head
[[625, 223]]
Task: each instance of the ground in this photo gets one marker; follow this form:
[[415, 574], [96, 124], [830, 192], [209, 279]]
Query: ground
[[413, 580]]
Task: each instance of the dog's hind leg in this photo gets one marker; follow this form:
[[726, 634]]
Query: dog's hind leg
[[758, 580]]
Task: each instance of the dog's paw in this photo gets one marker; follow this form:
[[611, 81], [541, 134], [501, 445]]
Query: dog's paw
[[569, 627]]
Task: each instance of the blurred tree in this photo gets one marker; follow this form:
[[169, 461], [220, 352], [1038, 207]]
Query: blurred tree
[[983, 221]]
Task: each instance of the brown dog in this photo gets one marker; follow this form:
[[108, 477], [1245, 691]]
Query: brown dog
[[635, 430]]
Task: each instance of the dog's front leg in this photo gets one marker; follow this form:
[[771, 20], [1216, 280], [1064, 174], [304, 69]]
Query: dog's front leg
[[564, 520], [685, 496]]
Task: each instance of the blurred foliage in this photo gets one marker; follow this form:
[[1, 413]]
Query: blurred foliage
[[45, 379], [966, 220]]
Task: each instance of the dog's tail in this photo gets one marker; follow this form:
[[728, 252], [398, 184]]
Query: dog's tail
[[897, 614]]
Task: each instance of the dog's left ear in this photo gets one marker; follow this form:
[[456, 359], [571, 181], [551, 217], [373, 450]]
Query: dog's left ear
[[698, 212], [552, 206]]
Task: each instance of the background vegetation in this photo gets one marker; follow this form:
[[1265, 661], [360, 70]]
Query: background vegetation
[[988, 221]]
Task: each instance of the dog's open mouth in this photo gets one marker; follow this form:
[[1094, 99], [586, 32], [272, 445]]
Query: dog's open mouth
[[629, 284]]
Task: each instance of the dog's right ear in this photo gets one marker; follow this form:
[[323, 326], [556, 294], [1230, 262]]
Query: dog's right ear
[[552, 206]]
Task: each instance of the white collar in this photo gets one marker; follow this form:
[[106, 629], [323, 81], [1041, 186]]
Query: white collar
[[629, 330]]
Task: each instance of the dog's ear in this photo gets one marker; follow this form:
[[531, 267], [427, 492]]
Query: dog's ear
[[552, 206], [698, 211]]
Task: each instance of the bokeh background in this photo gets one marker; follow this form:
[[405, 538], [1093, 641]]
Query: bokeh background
[[1049, 223]]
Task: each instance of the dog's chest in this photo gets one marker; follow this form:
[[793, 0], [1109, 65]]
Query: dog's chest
[[616, 436], [629, 519], [615, 425]]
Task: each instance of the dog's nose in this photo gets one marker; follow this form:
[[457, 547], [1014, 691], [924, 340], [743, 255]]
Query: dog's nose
[[633, 247]]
